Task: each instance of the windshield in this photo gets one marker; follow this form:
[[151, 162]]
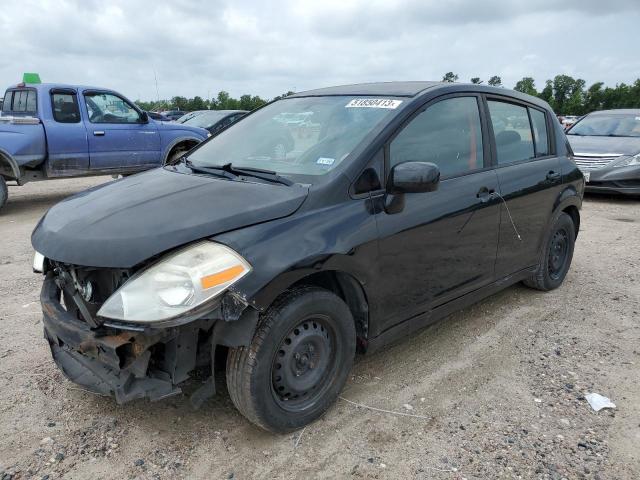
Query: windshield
[[297, 136], [205, 119], [605, 125]]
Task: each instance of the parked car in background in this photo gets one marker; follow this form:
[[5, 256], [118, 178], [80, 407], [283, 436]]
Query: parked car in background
[[606, 147], [174, 114], [213, 120], [568, 120], [412, 200], [55, 131], [158, 117]]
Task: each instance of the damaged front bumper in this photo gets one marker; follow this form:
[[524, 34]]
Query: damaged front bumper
[[150, 363]]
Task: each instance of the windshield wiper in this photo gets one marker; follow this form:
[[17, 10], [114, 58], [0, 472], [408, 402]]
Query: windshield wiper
[[268, 175], [229, 171], [217, 171]]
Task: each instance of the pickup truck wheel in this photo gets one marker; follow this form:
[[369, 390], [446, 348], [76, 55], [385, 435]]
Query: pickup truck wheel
[[556, 256], [4, 192], [297, 363]]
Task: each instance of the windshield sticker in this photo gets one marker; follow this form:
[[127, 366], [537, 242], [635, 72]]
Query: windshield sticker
[[373, 103], [325, 161], [638, 119]]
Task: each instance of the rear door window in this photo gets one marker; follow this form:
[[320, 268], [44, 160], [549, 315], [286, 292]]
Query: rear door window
[[512, 131], [541, 137], [65, 107]]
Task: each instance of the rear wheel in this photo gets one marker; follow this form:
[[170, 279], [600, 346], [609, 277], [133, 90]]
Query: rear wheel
[[4, 192], [297, 363], [556, 256]]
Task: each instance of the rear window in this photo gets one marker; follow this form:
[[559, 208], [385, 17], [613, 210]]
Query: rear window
[[6, 105], [20, 101]]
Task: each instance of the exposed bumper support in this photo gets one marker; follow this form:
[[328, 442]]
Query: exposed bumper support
[[130, 364]]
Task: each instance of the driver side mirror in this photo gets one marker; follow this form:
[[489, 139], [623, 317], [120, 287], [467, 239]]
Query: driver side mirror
[[144, 117], [413, 177]]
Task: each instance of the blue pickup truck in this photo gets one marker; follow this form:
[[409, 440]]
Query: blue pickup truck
[[58, 131]]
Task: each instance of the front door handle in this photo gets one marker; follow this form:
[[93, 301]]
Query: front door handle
[[98, 133], [484, 194], [553, 176]]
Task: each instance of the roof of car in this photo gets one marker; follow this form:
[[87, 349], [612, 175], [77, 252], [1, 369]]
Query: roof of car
[[394, 89], [621, 111], [46, 86]]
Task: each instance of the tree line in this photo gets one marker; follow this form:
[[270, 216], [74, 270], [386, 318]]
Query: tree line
[[570, 96], [223, 101], [565, 94]]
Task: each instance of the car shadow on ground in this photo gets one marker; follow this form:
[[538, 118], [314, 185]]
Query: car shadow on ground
[[163, 415], [612, 199]]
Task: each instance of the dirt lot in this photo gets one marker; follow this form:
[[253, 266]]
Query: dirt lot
[[500, 385]]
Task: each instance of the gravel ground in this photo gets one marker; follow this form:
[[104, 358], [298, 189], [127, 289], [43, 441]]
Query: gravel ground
[[497, 389]]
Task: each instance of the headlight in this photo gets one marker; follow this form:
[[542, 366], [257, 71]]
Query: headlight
[[38, 262], [628, 161], [176, 284]]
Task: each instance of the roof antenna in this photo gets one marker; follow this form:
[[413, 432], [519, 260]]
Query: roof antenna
[[496, 194]]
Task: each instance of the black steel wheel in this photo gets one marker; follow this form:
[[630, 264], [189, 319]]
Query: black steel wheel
[[297, 363], [556, 255], [302, 366]]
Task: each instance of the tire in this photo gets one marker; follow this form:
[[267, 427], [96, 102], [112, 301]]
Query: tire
[[297, 363], [556, 256], [4, 192]]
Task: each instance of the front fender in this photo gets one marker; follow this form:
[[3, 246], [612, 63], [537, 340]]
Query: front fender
[[341, 238]]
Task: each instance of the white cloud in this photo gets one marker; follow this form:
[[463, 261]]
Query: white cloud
[[266, 48]]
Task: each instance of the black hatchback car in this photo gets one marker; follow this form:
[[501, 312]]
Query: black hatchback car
[[397, 204]]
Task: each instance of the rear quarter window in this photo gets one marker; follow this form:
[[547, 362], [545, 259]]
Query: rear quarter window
[[541, 137]]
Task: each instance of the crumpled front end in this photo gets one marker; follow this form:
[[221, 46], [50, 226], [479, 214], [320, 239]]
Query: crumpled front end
[[129, 361]]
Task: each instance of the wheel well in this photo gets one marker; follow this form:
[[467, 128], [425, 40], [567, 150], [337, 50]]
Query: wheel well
[[351, 292], [7, 169], [183, 145], [574, 213]]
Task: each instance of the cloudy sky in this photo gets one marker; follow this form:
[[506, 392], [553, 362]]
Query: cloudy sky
[[198, 47]]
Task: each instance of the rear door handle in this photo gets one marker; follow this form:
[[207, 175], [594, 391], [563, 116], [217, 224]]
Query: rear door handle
[[98, 133], [484, 194], [553, 176]]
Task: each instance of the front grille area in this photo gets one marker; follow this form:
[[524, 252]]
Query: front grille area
[[588, 163], [84, 289]]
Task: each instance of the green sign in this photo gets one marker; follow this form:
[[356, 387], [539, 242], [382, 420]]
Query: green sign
[[31, 78]]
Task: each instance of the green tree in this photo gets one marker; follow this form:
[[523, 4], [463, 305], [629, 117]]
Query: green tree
[[594, 97], [568, 94], [180, 103], [450, 77], [547, 93], [495, 81], [476, 80], [526, 85]]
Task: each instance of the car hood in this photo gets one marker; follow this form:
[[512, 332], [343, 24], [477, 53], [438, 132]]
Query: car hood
[[174, 126], [123, 223], [604, 145]]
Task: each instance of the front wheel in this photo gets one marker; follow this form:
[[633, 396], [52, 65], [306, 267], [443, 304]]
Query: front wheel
[[4, 192], [297, 363], [556, 256]]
